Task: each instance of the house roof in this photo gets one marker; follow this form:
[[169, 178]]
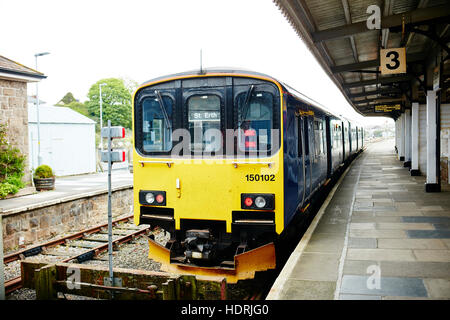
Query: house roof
[[10, 69], [57, 115]]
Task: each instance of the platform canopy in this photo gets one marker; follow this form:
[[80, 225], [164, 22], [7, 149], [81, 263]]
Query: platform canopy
[[344, 37]]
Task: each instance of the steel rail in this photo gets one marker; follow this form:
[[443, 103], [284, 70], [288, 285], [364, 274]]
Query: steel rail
[[16, 283], [17, 255]]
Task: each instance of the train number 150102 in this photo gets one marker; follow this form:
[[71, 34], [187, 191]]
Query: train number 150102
[[260, 177]]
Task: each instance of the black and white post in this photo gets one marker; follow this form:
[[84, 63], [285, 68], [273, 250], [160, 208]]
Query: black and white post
[[111, 156], [110, 248]]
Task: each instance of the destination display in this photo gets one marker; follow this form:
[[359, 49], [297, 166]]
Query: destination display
[[204, 116], [388, 107]]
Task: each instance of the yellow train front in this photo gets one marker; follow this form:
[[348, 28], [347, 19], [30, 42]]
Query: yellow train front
[[208, 169], [225, 160]]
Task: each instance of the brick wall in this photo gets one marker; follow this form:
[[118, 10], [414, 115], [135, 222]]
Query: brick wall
[[40, 224], [14, 112]]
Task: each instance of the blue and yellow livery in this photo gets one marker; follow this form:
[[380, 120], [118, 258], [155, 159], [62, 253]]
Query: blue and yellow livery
[[223, 161]]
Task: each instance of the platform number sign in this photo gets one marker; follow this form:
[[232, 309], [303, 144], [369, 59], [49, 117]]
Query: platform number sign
[[393, 60]]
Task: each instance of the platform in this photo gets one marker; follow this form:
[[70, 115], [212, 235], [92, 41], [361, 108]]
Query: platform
[[379, 236], [67, 188]]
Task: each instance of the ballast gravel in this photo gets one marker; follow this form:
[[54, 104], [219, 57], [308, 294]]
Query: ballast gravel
[[131, 255]]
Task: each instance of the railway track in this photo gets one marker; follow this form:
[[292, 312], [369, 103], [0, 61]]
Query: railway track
[[81, 246]]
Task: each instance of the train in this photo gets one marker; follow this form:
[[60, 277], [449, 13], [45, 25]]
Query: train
[[224, 160]]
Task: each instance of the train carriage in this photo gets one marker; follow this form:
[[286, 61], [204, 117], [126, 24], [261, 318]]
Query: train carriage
[[223, 161]]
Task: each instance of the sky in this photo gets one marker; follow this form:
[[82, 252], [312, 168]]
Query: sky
[[140, 40]]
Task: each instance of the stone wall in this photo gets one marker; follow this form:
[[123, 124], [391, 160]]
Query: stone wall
[[14, 112], [40, 224]]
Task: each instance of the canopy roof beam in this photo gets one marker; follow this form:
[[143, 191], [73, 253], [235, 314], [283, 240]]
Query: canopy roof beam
[[415, 17], [377, 81]]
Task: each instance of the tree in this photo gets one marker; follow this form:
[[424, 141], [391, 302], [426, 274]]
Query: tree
[[68, 98], [69, 101], [116, 102]]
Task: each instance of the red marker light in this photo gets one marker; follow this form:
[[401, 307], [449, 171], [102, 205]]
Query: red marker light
[[123, 134], [250, 133], [160, 198], [250, 144], [248, 201]]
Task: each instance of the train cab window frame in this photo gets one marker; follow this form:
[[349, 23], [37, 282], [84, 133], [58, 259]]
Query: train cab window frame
[[256, 109], [156, 127], [204, 116]]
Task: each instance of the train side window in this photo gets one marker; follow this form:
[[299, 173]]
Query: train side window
[[204, 122], [306, 131], [318, 137], [157, 124]]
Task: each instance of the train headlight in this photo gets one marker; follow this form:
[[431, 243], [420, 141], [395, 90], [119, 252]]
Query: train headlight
[[260, 202], [151, 197]]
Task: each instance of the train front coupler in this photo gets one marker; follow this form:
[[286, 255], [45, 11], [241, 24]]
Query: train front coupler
[[199, 246]]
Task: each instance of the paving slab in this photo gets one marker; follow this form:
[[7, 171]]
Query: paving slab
[[424, 234], [388, 286], [432, 255], [317, 267], [411, 244], [309, 290], [438, 288], [380, 254]]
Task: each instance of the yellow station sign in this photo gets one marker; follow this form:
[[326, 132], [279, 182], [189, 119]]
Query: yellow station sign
[[388, 107]]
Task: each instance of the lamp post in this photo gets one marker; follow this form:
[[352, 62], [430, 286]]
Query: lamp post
[[101, 113], [37, 109]]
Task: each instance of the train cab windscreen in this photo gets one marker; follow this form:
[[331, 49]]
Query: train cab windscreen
[[157, 123], [204, 121], [255, 119], [237, 118]]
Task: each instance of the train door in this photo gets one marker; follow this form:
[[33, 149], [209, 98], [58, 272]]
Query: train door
[[301, 159], [329, 145], [344, 155], [357, 138], [307, 154], [350, 138]]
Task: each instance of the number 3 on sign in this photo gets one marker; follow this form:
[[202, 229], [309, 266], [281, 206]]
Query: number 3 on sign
[[393, 60]]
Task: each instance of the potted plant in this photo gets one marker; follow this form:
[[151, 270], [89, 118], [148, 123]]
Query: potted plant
[[43, 178]]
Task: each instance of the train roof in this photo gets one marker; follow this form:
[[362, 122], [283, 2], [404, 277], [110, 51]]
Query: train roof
[[207, 71], [240, 71]]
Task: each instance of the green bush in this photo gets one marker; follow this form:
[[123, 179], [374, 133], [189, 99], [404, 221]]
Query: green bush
[[7, 188], [43, 171], [12, 165], [12, 162], [16, 181]]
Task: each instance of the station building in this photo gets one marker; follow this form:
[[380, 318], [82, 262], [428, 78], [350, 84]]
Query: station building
[[14, 78]]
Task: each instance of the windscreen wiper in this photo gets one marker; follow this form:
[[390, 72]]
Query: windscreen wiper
[[163, 108], [246, 105]]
